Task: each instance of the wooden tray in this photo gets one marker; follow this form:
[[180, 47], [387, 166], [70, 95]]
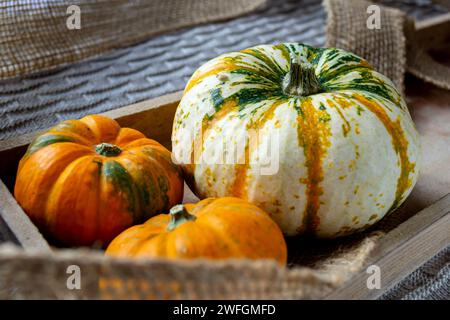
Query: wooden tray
[[423, 227]]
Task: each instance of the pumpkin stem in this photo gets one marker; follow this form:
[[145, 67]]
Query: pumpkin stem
[[301, 79], [179, 215], [107, 149]]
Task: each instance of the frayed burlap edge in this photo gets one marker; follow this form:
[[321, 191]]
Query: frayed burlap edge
[[383, 48], [43, 275], [392, 49], [421, 64]]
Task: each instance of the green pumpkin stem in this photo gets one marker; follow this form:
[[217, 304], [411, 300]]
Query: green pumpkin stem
[[301, 79], [179, 215], [107, 149]]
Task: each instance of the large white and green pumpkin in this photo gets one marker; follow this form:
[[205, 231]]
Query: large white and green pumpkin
[[339, 135]]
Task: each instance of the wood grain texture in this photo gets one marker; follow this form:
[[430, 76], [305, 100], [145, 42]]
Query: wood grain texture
[[402, 250], [25, 232], [152, 117], [433, 32]]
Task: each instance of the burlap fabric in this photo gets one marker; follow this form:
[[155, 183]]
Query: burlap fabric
[[34, 35], [421, 64], [43, 275], [392, 48], [324, 266]]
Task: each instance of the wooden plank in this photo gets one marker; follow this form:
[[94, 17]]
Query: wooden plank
[[152, 117], [6, 235], [434, 32], [437, 22], [402, 251], [130, 115], [24, 230]]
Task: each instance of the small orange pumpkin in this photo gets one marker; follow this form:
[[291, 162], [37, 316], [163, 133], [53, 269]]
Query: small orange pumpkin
[[214, 228], [85, 181]]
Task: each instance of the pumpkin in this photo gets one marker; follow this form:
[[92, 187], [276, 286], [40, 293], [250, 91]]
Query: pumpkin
[[314, 136], [84, 181], [219, 228]]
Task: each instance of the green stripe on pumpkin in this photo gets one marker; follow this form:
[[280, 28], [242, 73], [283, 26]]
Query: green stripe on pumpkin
[[123, 184], [158, 186], [244, 97], [313, 55], [334, 75], [284, 51], [45, 140], [163, 184], [267, 61], [252, 78]]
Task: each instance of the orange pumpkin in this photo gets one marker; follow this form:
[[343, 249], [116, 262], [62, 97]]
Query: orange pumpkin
[[219, 228], [85, 181]]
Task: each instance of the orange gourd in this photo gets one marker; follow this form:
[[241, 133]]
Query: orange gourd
[[220, 228], [84, 181]]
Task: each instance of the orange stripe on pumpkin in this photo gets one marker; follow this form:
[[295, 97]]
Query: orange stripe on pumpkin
[[239, 187], [346, 125], [197, 147], [221, 66], [399, 142], [313, 137], [208, 123]]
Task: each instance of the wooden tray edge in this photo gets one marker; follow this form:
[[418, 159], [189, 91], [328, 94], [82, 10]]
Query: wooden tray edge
[[401, 251]]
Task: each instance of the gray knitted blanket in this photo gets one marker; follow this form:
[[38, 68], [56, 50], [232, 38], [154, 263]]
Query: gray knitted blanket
[[163, 64]]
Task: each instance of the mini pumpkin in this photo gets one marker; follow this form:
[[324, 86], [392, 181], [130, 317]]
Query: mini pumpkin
[[84, 181], [221, 228], [319, 139]]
